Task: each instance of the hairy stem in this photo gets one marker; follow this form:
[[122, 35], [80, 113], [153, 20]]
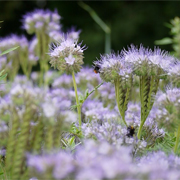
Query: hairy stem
[[177, 140], [57, 133], [140, 129], [49, 137], [77, 99]]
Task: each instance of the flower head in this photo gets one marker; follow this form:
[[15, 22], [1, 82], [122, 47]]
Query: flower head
[[73, 34], [41, 20], [111, 66], [13, 41], [147, 61], [67, 56]]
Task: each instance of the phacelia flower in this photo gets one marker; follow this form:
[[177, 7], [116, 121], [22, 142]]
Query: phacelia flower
[[147, 61], [73, 34], [41, 20], [111, 66], [67, 56]]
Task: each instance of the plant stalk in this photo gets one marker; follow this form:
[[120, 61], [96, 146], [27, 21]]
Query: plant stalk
[[140, 129], [77, 99], [177, 140]]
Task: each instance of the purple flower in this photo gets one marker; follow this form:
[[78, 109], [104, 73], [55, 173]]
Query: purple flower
[[111, 66], [147, 61], [64, 81], [13, 41], [42, 20], [64, 165], [70, 59], [67, 56], [73, 34]]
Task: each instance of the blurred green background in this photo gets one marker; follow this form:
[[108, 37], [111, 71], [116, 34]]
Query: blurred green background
[[130, 21]]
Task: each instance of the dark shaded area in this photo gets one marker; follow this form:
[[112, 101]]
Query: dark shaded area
[[130, 21]]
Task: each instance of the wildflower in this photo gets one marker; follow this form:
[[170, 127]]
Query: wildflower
[[13, 41], [73, 34], [174, 71], [55, 36], [48, 109], [113, 68], [147, 62], [67, 56], [41, 20], [170, 101], [150, 66]]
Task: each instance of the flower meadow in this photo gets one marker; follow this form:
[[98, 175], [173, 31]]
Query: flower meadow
[[118, 119]]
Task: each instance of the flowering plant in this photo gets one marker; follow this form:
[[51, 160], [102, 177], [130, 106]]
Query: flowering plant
[[115, 121]]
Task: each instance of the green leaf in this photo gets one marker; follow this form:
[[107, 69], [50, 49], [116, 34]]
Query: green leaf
[[1, 72], [73, 107], [86, 94], [9, 50], [81, 99], [168, 25], [164, 41], [3, 76], [1, 173], [71, 141]]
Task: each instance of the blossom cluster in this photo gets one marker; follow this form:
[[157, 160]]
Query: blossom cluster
[[40, 20], [104, 161], [111, 136], [67, 56], [139, 61]]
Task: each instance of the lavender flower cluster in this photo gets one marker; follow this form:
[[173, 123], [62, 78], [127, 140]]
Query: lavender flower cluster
[[111, 136], [104, 161]]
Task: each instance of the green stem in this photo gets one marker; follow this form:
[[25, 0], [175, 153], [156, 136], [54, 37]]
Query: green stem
[[101, 23], [107, 43], [140, 129], [49, 137], [126, 99], [57, 133], [77, 100], [177, 140]]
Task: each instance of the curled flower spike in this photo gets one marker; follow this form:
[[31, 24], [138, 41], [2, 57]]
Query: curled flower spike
[[113, 68], [67, 56], [150, 66]]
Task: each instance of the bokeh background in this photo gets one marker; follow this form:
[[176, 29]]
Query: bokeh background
[[130, 21]]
